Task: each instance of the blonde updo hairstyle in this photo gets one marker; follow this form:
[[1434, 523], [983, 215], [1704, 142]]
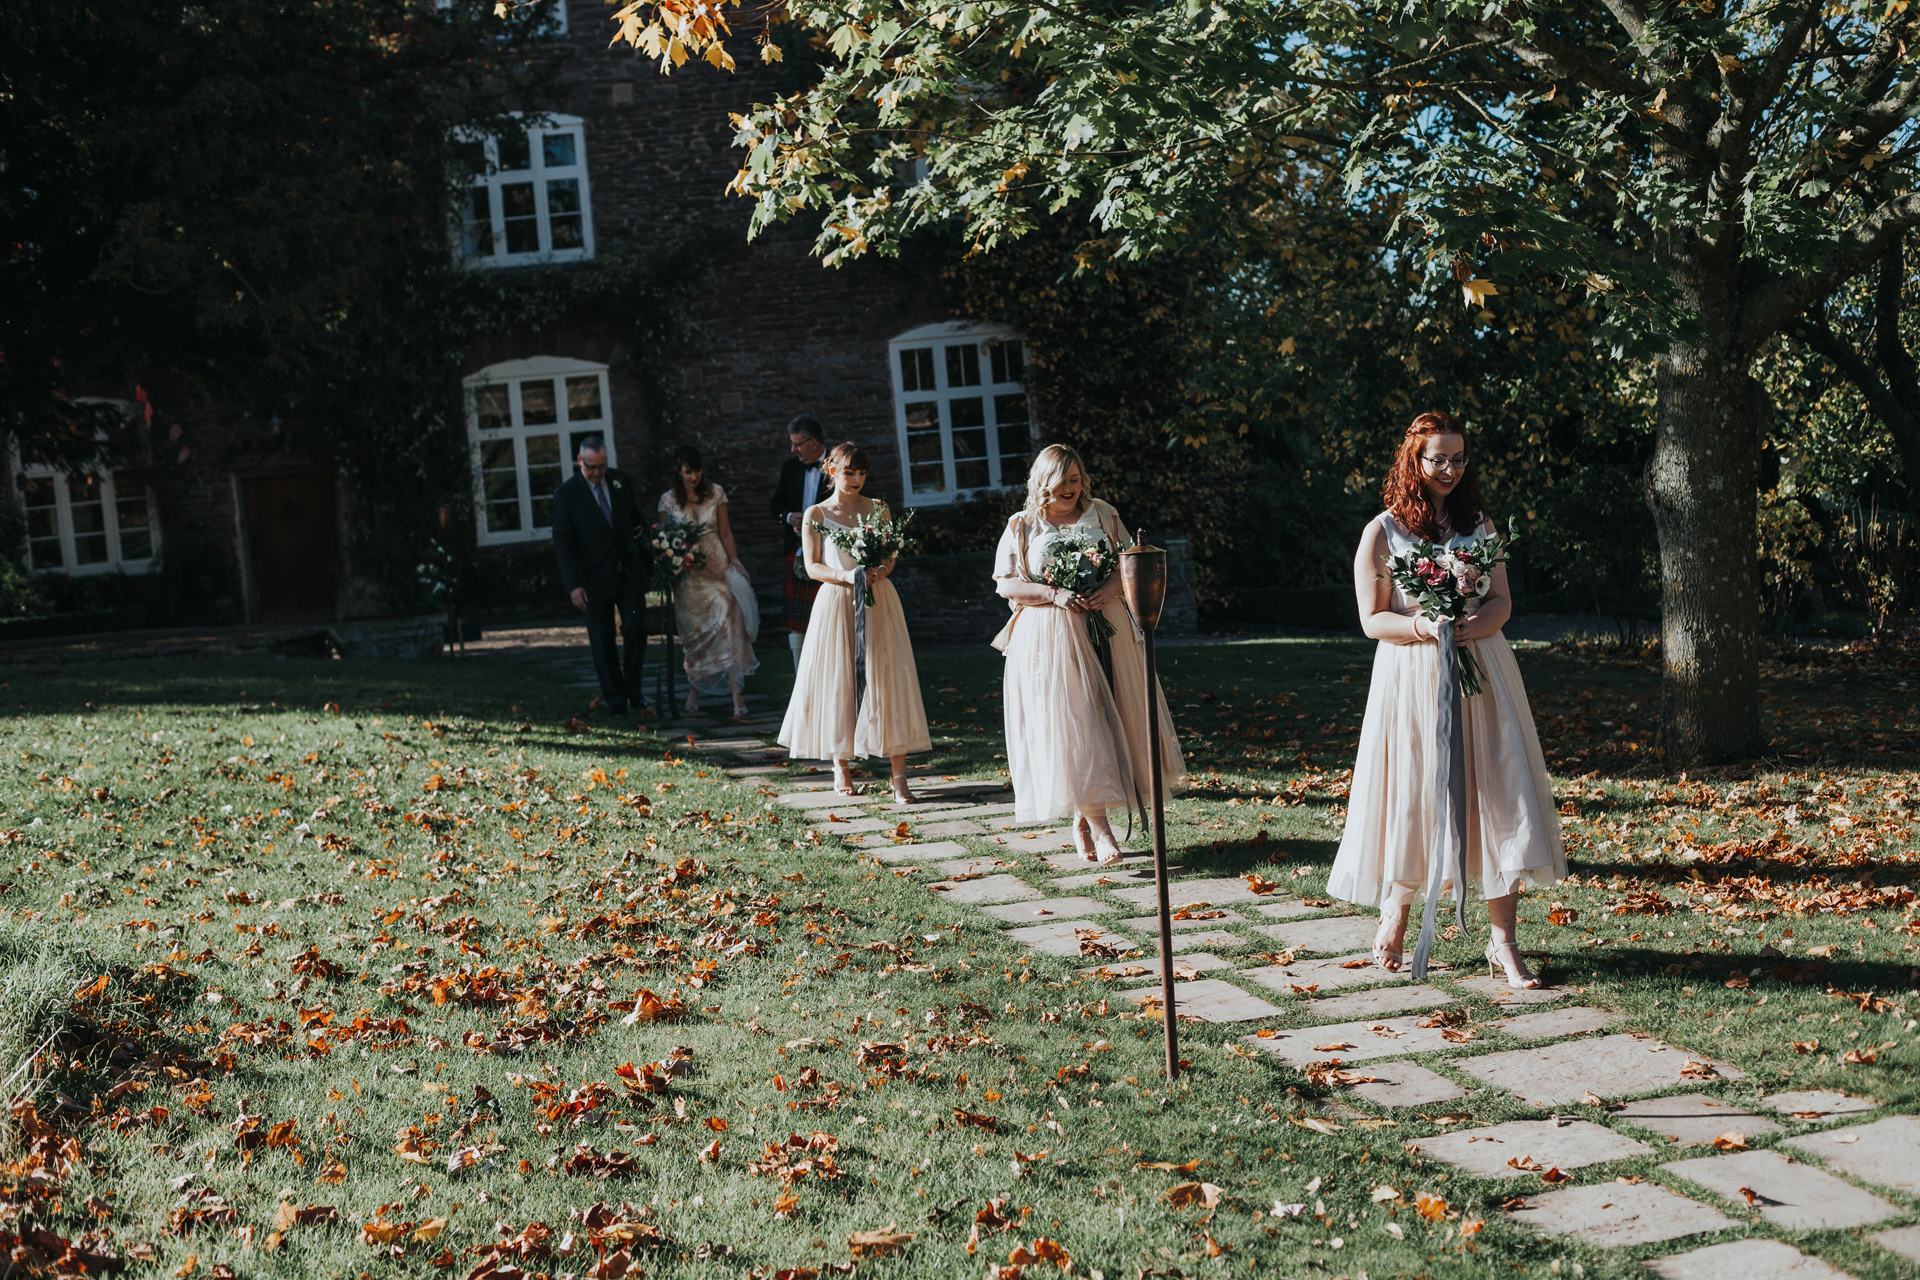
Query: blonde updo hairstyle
[[1050, 467]]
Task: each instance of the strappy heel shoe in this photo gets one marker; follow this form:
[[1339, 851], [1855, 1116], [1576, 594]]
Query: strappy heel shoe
[[843, 784], [901, 793], [1083, 840], [1386, 949], [1112, 854], [1516, 973]]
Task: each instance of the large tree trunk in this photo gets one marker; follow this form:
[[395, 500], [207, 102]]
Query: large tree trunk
[[1700, 485]]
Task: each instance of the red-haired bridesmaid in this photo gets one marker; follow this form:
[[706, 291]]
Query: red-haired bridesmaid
[[1512, 828]]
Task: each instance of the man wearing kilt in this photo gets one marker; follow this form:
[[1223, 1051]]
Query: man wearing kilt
[[799, 488]]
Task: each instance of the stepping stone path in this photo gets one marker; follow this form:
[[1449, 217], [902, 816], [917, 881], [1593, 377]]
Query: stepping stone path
[[1573, 1020], [1612, 1066], [1692, 1119], [1336, 1003], [1527, 1148], [1340, 933], [1886, 1152], [986, 889], [1795, 1196], [1407, 1084], [1616, 1214], [1210, 1000], [1818, 1106], [1744, 1260]]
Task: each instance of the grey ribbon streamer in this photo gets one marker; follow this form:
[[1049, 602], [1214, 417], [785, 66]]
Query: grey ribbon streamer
[[859, 641], [1447, 855]]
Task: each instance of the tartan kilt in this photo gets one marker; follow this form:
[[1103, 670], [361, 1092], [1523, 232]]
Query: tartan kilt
[[800, 591]]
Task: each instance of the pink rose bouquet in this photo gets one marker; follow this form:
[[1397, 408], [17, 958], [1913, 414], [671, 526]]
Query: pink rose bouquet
[[1450, 582]]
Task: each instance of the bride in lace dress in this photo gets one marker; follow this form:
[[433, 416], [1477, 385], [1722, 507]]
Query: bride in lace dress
[[714, 604], [1512, 827]]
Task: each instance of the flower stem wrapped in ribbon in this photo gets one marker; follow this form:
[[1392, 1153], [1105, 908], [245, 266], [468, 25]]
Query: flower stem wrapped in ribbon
[[1448, 583]]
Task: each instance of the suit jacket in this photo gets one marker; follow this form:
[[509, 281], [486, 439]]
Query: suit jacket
[[592, 551], [790, 496]]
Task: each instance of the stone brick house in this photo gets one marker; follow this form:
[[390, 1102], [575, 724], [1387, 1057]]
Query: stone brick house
[[245, 526]]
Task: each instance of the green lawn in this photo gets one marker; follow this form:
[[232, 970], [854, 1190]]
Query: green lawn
[[355, 918]]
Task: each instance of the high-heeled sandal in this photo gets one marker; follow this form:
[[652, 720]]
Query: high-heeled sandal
[[1083, 841], [1381, 958], [1109, 857], [902, 794], [1518, 975], [844, 785]]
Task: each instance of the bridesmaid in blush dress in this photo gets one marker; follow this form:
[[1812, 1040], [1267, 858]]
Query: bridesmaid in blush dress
[[1512, 827], [1076, 737], [823, 721]]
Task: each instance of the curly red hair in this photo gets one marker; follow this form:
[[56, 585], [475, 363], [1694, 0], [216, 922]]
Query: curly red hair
[[1405, 492]]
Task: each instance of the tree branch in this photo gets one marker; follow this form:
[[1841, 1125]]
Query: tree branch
[[1780, 297], [1903, 381]]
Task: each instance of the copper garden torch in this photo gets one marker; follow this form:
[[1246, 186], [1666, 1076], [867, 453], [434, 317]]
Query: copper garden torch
[[1143, 575]]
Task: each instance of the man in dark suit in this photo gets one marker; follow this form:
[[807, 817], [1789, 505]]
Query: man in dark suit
[[801, 485], [595, 515]]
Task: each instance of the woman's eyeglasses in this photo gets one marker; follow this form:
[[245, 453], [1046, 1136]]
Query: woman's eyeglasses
[[1440, 462]]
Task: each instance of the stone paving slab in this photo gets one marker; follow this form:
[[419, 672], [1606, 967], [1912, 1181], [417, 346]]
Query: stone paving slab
[[1500, 991], [1693, 1118], [1185, 968], [1574, 1020], [937, 806], [1796, 1196], [1885, 1152], [1380, 1000], [958, 787], [985, 889], [1215, 890], [1615, 1214], [1324, 975], [855, 826], [1407, 1084], [728, 744], [1560, 1143], [1817, 1106], [958, 827], [1286, 910], [824, 797], [1210, 1000], [973, 866], [1210, 920], [1336, 933], [1054, 908], [1355, 1041], [1744, 1260], [754, 770], [1193, 941], [1612, 1066], [1042, 841], [1074, 862], [923, 852], [1904, 1241], [1118, 877], [1057, 937]]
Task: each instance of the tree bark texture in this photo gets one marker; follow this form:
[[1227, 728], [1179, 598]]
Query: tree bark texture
[[1701, 487]]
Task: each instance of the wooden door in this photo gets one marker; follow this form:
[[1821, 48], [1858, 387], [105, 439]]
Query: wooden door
[[294, 541]]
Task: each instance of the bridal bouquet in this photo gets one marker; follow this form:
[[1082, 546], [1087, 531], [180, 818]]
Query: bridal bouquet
[[1080, 560], [1447, 582], [874, 539], [676, 546]]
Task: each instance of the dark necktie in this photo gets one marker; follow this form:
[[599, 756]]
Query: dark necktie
[[600, 496]]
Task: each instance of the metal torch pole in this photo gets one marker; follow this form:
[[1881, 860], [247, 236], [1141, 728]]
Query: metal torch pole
[[1144, 576]]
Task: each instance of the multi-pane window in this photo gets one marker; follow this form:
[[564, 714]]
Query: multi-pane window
[[961, 410], [89, 523], [526, 419], [529, 200]]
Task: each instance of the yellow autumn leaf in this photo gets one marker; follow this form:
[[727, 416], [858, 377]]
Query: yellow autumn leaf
[[1475, 292]]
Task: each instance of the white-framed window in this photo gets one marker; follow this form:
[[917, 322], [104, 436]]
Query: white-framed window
[[960, 410], [95, 522], [555, 23], [529, 200], [525, 419]]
